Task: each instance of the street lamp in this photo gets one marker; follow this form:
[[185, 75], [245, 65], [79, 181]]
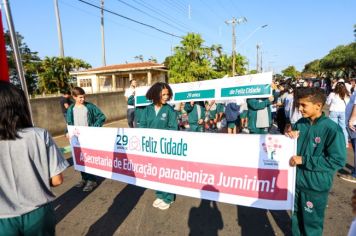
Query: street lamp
[[252, 33], [233, 22]]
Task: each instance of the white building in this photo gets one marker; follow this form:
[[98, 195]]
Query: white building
[[117, 77]]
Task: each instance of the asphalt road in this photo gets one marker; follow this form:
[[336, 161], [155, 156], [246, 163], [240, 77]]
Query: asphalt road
[[115, 208]]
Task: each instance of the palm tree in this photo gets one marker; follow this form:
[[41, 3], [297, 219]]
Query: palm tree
[[54, 72]]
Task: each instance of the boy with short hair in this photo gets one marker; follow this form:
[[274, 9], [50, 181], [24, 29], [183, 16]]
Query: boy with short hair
[[83, 113], [320, 153]]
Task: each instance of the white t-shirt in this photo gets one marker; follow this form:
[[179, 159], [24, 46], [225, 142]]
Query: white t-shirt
[[348, 87], [336, 103], [128, 92]]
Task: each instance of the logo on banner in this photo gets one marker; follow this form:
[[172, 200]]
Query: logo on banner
[[271, 147], [134, 143]]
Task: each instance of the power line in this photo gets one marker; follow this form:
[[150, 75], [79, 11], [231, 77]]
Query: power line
[[170, 6], [212, 10], [137, 9], [177, 5], [161, 13], [112, 21], [130, 19]]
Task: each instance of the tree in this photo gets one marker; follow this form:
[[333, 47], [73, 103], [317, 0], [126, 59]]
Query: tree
[[223, 65], [190, 61], [341, 60], [291, 71], [30, 61], [314, 68], [54, 73]]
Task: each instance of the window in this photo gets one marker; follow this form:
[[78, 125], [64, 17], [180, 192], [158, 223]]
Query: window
[[85, 82]]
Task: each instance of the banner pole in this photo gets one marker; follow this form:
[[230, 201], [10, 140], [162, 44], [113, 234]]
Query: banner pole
[[15, 47]]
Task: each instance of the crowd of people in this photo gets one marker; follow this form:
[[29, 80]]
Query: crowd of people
[[296, 109]]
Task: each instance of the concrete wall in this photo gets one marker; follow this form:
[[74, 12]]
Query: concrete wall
[[47, 112]]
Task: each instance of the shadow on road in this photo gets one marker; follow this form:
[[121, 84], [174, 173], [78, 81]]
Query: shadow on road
[[205, 219], [254, 221], [69, 200], [121, 207]]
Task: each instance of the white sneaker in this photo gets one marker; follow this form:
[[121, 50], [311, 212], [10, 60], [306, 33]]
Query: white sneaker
[[157, 202], [245, 131], [164, 206]]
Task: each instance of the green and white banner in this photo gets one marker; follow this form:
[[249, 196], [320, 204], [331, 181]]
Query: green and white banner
[[246, 86]]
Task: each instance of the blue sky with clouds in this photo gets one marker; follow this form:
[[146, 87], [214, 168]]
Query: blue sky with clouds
[[298, 31]]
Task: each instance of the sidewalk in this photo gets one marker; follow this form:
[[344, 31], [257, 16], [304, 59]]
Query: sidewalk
[[115, 208]]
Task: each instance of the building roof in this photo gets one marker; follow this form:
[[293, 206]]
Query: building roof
[[123, 68]]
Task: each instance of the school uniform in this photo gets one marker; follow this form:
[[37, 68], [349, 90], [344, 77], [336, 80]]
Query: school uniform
[[322, 147], [195, 113], [26, 166], [138, 111], [90, 116], [255, 105], [164, 118]]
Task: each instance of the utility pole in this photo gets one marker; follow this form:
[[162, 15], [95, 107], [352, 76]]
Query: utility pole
[[233, 23], [59, 29], [257, 60], [102, 33]]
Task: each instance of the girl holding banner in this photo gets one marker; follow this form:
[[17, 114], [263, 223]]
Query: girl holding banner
[[160, 115]]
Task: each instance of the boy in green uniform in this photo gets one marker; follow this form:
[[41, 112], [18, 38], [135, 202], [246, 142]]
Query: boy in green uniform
[[84, 113], [160, 115], [320, 153], [196, 115]]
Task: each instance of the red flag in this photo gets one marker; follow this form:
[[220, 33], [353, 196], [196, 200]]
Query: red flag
[[4, 70]]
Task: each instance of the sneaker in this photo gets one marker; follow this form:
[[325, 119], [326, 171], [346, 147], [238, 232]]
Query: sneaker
[[164, 206], [349, 178], [80, 184], [245, 131], [157, 202], [89, 186]]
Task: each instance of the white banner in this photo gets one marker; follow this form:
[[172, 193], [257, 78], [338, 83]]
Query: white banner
[[247, 86], [249, 170]]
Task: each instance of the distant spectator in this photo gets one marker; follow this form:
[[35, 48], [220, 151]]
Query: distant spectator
[[65, 102], [337, 100], [259, 115], [131, 108], [196, 115]]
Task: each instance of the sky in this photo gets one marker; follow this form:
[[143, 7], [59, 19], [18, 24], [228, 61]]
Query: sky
[[298, 31]]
